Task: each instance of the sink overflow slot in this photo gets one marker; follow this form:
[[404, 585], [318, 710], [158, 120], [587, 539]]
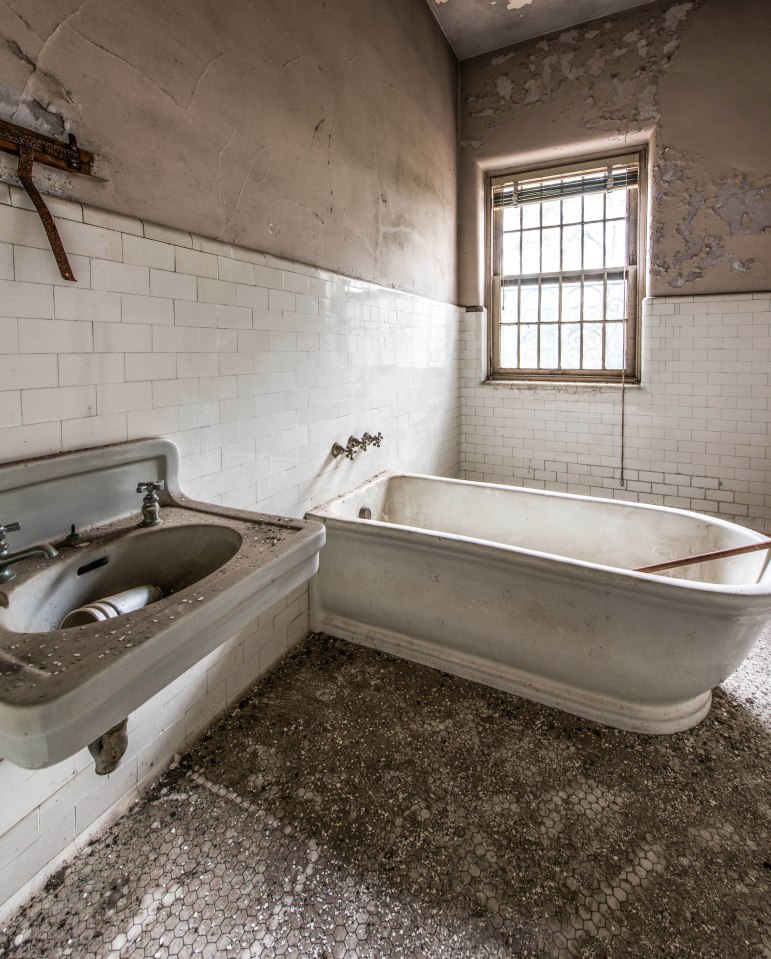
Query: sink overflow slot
[[93, 565]]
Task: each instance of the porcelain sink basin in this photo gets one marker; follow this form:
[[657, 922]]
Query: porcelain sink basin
[[217, 569], [171, 558]]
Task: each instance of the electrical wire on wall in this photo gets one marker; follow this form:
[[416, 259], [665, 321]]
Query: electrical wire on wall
[[622, 456]]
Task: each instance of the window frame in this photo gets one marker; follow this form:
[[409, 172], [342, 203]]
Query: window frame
[[635, 275]]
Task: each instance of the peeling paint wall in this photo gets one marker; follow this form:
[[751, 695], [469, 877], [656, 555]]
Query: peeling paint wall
[[690, 79], [323, 131]]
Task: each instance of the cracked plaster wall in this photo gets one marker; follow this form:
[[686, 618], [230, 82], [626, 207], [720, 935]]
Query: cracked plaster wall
[[690, 79], [324, 131]]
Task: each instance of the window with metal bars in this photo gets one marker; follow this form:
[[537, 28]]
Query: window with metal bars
[[565, 286]]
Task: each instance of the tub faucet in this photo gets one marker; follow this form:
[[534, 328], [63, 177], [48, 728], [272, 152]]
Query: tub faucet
[[8, 559], [350, 450]]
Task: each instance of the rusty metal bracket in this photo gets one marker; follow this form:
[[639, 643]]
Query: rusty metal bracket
[[31, 148]]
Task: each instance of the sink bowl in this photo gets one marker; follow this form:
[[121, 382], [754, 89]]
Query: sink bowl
[[171, 558], [217, 568]]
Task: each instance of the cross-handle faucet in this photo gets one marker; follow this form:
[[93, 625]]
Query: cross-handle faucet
[[151, 507], [8, 559], [369, 440], [350, 450]]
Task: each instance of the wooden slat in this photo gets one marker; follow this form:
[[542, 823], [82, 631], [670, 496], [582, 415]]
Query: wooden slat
[[705, 557]]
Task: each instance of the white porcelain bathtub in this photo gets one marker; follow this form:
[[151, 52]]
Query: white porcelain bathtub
[[535, 593]]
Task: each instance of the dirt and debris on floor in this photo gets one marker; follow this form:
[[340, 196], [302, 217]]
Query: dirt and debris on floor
[[357, 805]]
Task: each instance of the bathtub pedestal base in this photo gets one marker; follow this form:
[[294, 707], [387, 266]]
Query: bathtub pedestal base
[[633, 717]]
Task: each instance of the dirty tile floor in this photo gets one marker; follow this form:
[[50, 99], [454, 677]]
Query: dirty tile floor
[[355, 805]]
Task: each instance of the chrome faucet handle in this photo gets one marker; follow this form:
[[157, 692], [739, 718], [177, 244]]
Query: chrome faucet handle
[[151, 486], [377, 440], [354, 444]]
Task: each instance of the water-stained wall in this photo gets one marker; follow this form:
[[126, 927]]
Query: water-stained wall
[[320, 131], [690, 79]]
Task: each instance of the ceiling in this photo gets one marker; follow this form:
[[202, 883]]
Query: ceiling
[[479, 26]]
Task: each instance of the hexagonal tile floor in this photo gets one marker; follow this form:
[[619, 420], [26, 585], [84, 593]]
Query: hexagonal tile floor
[[355, 805]]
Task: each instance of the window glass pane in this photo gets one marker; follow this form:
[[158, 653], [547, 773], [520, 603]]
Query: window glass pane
[[529, 306], [615, 243], [592, 346], [614, 346], [571, 347], [563, 299], [616, 203], [550, 301], [594, 206], [550, 250], [511, 260], [528, 345], [509, 338], [511, 217], [550, 213], [571, 210], [593, 305], [571, 248], [571, 302], [531, 251], [531, 214], [616, 300], [510, 304], [593, 239], [549, 355]]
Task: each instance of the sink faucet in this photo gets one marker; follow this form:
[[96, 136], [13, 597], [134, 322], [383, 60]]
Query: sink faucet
[[8, 559], [151, 508]]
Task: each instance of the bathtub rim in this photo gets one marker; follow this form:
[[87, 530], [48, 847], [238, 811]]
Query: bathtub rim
[[757, 590]]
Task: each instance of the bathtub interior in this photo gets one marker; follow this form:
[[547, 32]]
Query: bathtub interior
[[609, 533]]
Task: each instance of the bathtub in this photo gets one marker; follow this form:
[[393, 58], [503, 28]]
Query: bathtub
[[535, 593]]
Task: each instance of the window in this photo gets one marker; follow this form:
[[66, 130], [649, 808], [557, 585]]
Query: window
[[565, 286]]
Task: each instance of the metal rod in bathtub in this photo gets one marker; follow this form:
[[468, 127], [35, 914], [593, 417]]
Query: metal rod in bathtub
[[705, 557]]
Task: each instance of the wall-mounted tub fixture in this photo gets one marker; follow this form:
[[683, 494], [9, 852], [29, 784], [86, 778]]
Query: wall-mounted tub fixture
[[355, 444], [350, 450], [32, 147]]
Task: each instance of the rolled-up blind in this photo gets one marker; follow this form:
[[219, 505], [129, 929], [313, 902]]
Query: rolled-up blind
[[513, 191]]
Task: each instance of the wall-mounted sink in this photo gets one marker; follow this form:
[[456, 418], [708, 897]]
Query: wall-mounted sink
[[217, 569]]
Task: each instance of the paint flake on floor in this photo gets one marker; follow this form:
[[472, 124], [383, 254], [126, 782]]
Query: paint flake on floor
[[356, 805]]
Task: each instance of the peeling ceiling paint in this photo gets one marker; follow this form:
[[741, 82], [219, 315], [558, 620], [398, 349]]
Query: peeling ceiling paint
[[479, 26]]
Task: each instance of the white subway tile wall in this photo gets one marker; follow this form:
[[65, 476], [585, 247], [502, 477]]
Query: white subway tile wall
[[254, 366], [697, 430]]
